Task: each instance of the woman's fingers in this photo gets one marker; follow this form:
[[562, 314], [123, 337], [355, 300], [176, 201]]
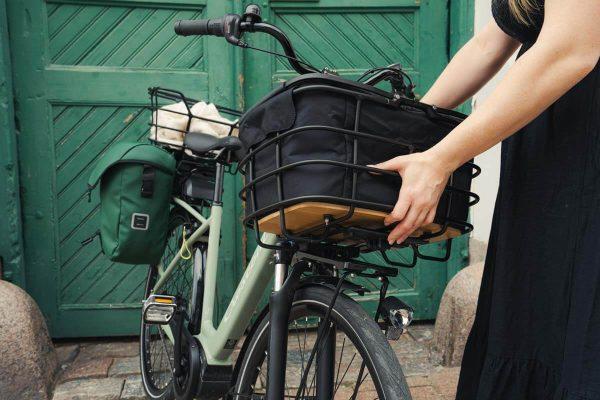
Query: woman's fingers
[[393, 164], [400, 209], [418, 216], [422, 220], [430, 216], [406, 226], [423, 180], [416, 225]]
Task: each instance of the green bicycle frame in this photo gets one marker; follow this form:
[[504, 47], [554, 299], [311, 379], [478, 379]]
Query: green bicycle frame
[[218, 342]]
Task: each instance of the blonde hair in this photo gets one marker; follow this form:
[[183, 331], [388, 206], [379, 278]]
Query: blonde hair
[[522, 10]]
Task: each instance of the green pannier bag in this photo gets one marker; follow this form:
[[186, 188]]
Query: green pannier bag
[[136, 183]]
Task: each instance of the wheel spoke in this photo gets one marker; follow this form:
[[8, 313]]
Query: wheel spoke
[[345, 372], [299, 348], [358, 380], [162, 340], [340, 363]]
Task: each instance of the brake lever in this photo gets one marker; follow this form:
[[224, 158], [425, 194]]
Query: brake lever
[[231, 28]]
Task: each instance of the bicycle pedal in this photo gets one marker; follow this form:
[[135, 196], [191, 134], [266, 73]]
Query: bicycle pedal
[[159, 309]]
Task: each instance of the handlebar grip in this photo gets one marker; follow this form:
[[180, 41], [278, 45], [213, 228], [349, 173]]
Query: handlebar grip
[[213, 27]]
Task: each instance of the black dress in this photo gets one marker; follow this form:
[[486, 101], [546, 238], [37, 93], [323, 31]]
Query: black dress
[[536, 334]]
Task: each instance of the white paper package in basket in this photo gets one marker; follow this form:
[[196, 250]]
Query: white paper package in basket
[[172, 122]]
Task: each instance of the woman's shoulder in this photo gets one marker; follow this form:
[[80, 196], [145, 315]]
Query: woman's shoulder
[[509, 24]]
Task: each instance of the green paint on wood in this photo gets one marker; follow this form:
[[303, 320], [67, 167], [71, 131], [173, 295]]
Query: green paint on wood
[[462, 19], [11, 250], [81, 85], [223, 68]]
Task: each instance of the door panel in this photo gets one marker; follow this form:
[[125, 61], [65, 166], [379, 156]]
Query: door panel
[[83, 70], [351, 37]]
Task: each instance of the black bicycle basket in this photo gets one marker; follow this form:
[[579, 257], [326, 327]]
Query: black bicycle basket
[[310, 143], [163, 117]]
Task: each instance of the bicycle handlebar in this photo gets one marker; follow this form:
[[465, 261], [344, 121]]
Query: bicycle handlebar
[[192, 27], [281, 37], [233, 26]]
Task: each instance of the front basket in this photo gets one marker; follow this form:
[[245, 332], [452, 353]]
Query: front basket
[[309, 146]]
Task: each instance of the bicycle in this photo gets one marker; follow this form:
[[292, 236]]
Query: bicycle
[[312, 341]]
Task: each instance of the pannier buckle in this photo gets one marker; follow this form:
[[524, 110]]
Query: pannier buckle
[[148, 175]]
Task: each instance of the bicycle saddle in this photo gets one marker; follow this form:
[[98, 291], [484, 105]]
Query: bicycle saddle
[[203, 143]]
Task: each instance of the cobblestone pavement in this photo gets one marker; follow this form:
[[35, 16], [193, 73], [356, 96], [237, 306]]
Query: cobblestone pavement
[[109, 370]]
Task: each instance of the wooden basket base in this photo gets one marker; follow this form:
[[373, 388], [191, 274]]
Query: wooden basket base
[[300, 217]]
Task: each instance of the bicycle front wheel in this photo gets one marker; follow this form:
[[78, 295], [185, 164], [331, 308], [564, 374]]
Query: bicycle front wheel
[[360, 364]]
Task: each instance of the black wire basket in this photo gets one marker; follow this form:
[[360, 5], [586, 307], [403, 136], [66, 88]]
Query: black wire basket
[[161, 97], [310, 143]]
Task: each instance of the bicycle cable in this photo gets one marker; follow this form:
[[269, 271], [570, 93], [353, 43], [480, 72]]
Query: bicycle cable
[[379, 69], [397, 70], [245, 45]]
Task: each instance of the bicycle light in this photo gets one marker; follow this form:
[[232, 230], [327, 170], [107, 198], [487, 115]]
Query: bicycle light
[[159, 309], [398, 315]]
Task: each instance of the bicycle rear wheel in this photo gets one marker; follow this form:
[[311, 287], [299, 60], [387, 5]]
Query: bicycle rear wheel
[[156, 345], [361, 364]]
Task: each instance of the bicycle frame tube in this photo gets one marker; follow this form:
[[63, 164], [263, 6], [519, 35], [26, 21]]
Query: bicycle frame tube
[[205, 224], [218, 342]]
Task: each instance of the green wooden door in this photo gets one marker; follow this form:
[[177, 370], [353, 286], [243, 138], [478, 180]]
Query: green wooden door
[[350, 37], [82, 69]]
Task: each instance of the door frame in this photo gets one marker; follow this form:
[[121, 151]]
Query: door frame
[[11, 235]]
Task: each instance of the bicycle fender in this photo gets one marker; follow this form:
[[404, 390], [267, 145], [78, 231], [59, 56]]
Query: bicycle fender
[[331, 283]]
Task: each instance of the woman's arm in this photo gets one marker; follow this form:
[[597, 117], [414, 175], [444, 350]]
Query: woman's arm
[[567, 49], [472, 67]]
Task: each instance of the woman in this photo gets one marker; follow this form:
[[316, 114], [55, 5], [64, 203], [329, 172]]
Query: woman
[[537, 330]]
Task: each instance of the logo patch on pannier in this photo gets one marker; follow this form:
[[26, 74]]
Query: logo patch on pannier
[[140, 221]]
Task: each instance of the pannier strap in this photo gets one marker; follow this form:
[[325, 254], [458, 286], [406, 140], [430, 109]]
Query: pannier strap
[[148, 175]]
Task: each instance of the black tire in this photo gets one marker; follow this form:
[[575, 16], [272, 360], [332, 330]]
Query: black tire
[[156, 352], [350, 319]]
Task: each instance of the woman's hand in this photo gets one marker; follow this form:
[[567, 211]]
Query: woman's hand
[[424, 178]]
